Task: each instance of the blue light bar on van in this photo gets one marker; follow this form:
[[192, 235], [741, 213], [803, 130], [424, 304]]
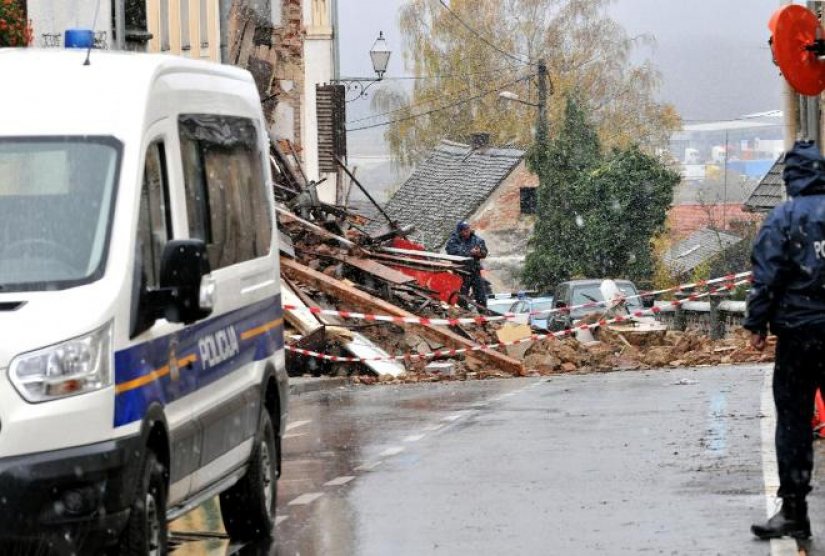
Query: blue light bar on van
[[79, 38]]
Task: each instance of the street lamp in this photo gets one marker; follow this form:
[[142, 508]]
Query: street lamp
[[380, 56], [541, 119], [513, 97]]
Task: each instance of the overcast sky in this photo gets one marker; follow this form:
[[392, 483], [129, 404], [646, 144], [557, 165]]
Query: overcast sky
[[712, 54]]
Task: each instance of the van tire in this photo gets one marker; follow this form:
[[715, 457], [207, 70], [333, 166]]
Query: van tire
[[146, 533], [248, 508]]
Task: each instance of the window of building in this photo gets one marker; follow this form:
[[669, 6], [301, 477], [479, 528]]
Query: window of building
[[164, 26], [185, 44], [204, 24], [528, 200], [226, 198]]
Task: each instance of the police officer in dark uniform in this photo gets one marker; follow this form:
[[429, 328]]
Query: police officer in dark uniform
[[465, 243], [788, 297]]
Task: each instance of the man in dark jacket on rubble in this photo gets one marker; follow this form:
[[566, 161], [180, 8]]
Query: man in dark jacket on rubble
[[788, 297], [465, 243]]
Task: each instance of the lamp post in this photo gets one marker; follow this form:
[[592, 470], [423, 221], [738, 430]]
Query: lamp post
[[541, 117], [380, 56]]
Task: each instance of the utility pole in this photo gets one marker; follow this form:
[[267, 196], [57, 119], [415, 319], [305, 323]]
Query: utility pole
[[791, 107], [541, 121], [810, 112]]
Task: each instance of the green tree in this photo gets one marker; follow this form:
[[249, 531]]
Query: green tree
[[597, 213], [467, 53]]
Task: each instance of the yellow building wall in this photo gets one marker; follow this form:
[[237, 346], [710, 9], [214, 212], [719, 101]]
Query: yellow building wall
[[185, 27]]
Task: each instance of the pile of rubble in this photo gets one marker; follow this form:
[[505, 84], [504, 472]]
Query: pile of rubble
[[329, 261], [613, 351]]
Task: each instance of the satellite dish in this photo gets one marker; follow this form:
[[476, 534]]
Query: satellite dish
[[797, 45]]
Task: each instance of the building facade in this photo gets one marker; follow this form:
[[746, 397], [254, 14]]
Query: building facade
[[287, 45]]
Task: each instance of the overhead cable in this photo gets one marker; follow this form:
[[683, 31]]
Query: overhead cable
[[422, 102], [484, 39], [442, 108]]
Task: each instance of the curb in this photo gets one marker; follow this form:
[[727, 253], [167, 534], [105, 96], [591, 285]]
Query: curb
[[300, 385]]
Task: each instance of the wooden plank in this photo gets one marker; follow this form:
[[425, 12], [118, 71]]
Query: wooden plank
[[378, 270], [314, 227], [363, 347], [368, 303], [511, 332], [428, 254], [326, 320], [410, 261], [301, 318]]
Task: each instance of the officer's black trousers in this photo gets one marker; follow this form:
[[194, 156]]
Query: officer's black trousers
[[799, 371], [475, 282]]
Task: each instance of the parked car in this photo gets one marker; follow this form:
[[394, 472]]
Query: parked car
[[580, 292], [533, 311], [501, 303]]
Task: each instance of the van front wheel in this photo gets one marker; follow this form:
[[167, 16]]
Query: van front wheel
[[145, 533], [248, 508]]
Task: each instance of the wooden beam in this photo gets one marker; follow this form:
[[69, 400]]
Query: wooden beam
[[318, 230], [427, 254], [366, 302]]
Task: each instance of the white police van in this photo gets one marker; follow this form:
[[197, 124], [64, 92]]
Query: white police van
[[141, 338]]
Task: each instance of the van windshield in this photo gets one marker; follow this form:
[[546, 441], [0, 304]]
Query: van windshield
[[56, 200]]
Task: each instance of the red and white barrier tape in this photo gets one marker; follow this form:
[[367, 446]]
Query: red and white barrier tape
[[506, 316], [530, 339]]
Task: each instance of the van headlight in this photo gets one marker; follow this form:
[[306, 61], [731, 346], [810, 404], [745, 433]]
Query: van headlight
[[76, 366]]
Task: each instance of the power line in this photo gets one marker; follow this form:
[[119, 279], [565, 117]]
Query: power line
[[442, 108], [422, 102], [447, 76], [483, 39]]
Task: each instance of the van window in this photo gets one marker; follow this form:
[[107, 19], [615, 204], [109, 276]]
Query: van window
[[154, 226], [225, 193], [56, 199]]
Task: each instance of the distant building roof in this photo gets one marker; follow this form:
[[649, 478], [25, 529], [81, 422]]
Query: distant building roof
[[700, 247], [770, 191], [449, 186], [684, 220]]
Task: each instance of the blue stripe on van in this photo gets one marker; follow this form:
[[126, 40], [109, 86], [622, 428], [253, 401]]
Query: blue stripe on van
[[203, 353]]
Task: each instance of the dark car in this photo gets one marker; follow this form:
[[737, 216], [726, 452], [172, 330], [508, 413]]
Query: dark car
[[574, 293]]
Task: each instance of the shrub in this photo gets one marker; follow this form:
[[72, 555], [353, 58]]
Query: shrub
[[15, 29]]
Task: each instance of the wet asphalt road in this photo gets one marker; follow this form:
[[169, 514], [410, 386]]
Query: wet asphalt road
[[656, 462]]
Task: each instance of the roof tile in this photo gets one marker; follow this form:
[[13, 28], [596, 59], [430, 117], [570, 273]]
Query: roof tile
[[770, 192], [449, 186]]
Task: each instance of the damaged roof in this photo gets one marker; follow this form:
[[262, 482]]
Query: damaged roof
[[700, 247], [770, 191], [449, 186]]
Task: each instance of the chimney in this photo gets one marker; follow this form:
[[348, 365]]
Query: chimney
[[479, 140]]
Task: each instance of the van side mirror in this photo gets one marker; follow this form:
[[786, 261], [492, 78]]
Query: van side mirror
[[648, 301], [560, 304], [184, 264]]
